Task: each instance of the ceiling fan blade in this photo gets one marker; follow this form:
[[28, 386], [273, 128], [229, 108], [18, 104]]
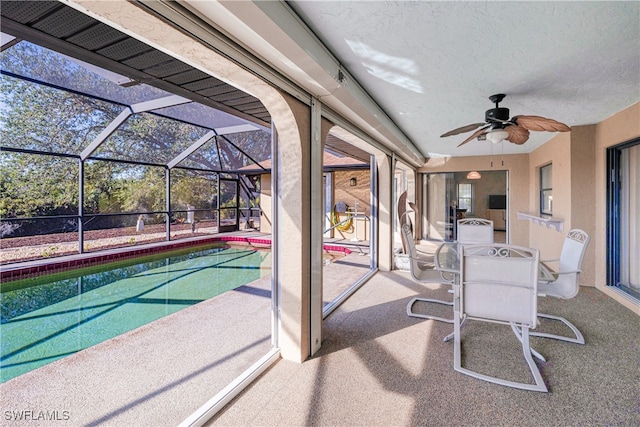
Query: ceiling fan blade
[[540, 124], [475, 135], [517, 134], [467, 128]]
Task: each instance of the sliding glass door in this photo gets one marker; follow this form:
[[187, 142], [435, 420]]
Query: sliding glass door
[[454, 195], [623, 217]]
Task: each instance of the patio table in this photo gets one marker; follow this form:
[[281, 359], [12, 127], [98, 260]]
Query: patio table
[[447, 262]]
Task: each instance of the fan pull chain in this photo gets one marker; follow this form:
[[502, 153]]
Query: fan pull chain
[[491, 145], [502, 154]]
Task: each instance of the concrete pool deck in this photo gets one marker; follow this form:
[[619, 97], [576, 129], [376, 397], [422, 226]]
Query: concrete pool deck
[[45, 265], [162, 372]]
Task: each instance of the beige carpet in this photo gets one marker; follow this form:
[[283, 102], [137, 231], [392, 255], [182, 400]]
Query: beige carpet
[[378, 367]]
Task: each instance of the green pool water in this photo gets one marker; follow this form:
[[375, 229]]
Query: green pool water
[[50, 317]]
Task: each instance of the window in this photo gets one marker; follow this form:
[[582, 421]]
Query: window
[[465, 197], [546, 191]]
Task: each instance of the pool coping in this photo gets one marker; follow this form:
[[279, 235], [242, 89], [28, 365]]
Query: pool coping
[[27, 269]]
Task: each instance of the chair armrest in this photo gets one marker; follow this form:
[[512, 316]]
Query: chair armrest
[[420, 261], [452, 257], [546, 275], [415, 258], [568, 272]]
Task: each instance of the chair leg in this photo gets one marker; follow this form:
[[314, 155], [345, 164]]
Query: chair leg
[[518, 333], [577, 338], [526, 350], [411, 313], [452, 334]]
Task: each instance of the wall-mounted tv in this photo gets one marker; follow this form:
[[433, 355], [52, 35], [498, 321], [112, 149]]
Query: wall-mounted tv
[[497, 201]]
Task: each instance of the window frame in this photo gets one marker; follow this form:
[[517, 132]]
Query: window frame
[[470, 198], [546, 189]]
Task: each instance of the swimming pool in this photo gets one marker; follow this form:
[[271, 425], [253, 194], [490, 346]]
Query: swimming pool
[[47, 318]]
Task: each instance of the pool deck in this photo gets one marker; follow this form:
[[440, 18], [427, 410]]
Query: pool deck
[[41, 266], [162, 372]]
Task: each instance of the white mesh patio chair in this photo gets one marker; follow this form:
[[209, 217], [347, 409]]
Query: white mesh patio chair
[[498, 283], [474, 230], [564, 282], [470, 230], [422, 272]]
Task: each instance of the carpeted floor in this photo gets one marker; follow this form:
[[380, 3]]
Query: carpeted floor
[[379, 367]]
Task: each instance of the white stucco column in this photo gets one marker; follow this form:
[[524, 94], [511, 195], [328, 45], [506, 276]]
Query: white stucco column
[[292, 239], [385, 212]]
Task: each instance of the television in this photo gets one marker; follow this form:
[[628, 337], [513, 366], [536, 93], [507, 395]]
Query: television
[[497, 201]]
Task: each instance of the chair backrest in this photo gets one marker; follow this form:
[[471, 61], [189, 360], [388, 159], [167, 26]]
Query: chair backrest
[[571, 256], [415, 266], [499, 283], [474, 230]]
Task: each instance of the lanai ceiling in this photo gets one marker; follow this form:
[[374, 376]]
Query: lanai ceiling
[[431, 66], [56, 26]]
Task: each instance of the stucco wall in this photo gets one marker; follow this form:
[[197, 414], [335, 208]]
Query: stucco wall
[[583, 194], [345, 192], [556, 152], [619, 128], [265, 204], [572, 156]]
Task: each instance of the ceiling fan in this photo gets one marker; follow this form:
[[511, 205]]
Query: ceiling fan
[[498, 127]]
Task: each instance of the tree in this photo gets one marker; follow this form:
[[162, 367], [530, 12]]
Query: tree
[[53, 104]]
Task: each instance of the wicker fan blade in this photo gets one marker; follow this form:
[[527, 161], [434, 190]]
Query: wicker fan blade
[[517, 134], [540, 124], [475, 135], [467, 128]]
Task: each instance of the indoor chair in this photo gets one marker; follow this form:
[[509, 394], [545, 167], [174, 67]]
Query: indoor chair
[[564, 282], [498, 283]]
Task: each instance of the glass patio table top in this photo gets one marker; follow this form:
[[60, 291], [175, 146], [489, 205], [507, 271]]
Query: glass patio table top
[[447, 262]]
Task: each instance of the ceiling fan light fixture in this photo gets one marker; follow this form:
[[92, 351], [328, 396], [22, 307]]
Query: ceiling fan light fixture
[[474, 175], [497, 135]]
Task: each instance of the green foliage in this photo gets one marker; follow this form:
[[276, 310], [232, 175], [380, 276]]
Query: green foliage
[[42, 118], [50, 251], [46, 119], [33, 185], [191, 188]]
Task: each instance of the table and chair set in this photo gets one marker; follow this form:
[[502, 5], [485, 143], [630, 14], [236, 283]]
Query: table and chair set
[[501, 283]]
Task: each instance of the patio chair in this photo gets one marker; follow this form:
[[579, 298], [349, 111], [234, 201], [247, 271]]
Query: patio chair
[[422, 272], [564, 282], [475, 230], [498, 283], [470, 230]]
